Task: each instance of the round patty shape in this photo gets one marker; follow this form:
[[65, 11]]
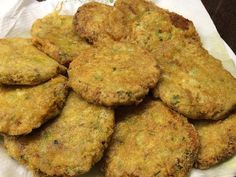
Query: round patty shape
[[218, 141], [70, 144], [197, 85], [117, 74], [193, 82], [26, 108], [135, 9], [95, 22], [162, 33], [22, 64], [54, 35], [151, 140]]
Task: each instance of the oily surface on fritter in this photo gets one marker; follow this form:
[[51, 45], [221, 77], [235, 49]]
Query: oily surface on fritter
[[70, 144], [96, 22], [26, 108], [218, 141], [151, 140], [193, 82], [117, 74], [55, 36], [22, 64]]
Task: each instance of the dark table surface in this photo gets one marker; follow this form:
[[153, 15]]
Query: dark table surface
[[223, 13]]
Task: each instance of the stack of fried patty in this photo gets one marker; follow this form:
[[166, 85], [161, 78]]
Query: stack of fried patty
[[130, 84]]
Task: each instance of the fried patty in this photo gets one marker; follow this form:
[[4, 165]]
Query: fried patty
[[163, 33], [151, 140], [55, 36], [117, 74], [95, 22], [218, 141], [134, 9], [26, 108], [193, 82], [199, 88], [22, 64], [70, 144]]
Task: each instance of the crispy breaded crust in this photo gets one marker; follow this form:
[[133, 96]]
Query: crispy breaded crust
[[134, 9], [117, 74], [95, 22], [70, 144], [22, 64], [40, 174], [193, 82], [162, 33], [218, 141], [197, 86], [26, 108], [151, 140], [55, 36]]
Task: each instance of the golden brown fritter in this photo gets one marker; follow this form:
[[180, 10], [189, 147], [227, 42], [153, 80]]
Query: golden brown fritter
[[218, 141], [193, 82], [22, 64], [55, 36], [26, 108], [69, 145], [117, 74], [95, 22], [196, 85], [40, 174], [151, 140], [163, 33], [134, 9]]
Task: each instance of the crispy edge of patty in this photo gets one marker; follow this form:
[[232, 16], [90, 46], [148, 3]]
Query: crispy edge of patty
[[131, 115], [55, 144], [29, 77], [211, 100], [98, 95], [97, 22], [57, 98], [48, 46], [218, 141], [135, 9]]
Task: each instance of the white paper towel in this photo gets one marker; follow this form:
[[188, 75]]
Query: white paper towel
[[17, 16]]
